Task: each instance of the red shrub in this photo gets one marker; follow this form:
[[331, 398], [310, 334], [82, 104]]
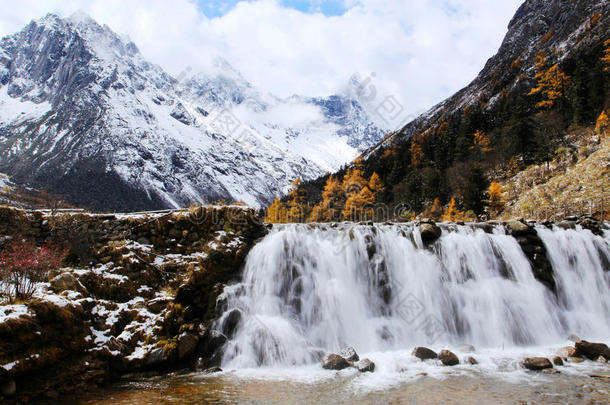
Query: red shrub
[[23, 264]]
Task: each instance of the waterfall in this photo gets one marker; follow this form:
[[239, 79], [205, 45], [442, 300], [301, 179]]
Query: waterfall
[[312, 289]]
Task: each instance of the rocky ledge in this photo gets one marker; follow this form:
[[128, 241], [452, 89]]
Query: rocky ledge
[[136, 293]]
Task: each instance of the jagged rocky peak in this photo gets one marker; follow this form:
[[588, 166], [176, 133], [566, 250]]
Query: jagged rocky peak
[[85, 116]]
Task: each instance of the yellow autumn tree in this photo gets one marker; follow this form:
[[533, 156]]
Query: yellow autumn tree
[[354, 180], [481, 142], [376, 185], [435, 211], [552, 83], [416, 150], [276, 213], [496, 198], [296, 208], [452, 213], [606, 57], [331, 206], [602, 123], [359, 207]]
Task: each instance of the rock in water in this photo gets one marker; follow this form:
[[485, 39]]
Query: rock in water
[[448, 358], [537, 363], [601, 359], [557, 361], [334, 362], [365, 365], [429, 233], [568, 351], [349, 354], [471, 360], [187, 343], [517, 228], [423, 353], [575, 359], [593, 350]]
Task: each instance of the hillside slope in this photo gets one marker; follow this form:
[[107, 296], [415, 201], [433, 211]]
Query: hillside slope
[[551, 74]]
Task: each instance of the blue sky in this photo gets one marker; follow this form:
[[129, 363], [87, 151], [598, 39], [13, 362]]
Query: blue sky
[[218, 8]]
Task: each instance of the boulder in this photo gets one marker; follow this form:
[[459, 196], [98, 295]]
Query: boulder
[[593, 350], [157, 305], [557, 361], [575, 359], [471, 360], [212, 370], [423, 353], [187, 343], [349, 354], [67, 281], [334, 362], [568, 351], [518, 228], [429, 233], [448, 358], [231, 322], [537, 363], [365, 365]]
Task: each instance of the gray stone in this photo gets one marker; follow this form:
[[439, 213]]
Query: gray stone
[[423, 353], [187, 343], [592, 350], [568, 351], [157, 305], [334, 362], [365, 365], [537, 363], [429, 233], [448, 358], [67, 281], [557, 361], [517, 228], [349, 354]]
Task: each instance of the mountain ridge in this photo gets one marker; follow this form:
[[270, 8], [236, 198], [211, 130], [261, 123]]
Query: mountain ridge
[[84, 115]]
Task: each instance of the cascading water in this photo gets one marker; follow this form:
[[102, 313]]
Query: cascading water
[[310, 289]]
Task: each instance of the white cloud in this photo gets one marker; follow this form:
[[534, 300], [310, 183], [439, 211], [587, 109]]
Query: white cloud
[[421, 50]]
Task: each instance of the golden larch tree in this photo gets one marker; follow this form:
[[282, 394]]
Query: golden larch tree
[[435, 211], [376, 185], [452, 213], [276, 213], [496, 198], [296, 208], [606, 57], [359, 206], [416, 150], [602, 123], [333, 201], [482, 142], [552, 83]]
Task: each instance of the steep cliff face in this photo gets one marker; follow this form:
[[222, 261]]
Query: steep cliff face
[[84, 115]]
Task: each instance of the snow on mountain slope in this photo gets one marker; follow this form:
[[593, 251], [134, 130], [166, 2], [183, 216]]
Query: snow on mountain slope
[[84, 115]]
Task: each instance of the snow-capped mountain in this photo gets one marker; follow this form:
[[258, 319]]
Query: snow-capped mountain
[[84, 115]]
